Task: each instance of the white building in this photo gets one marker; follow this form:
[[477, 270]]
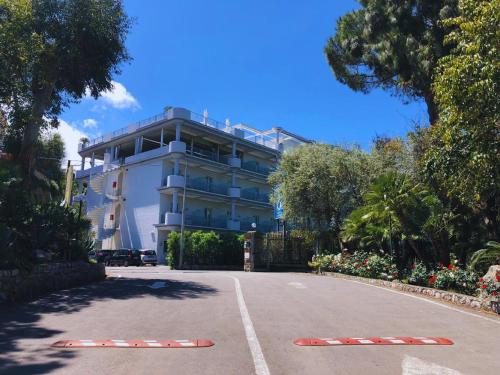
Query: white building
[[174, 168]]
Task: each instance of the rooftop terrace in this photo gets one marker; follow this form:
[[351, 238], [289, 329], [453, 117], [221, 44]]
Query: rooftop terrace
[[271, 138]]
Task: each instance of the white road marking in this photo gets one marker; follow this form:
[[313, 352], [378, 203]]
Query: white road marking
[[186, 344], [122, 344], [416, 366], [428, 301], [157, 344], [297, 285], [333, 342], [397, 341], [259, 361], [89, 344], [366, 341], [157, 285]]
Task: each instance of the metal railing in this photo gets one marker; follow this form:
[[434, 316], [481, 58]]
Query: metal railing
[[254, 195], [203, 184], [203, 221], [254, 166]]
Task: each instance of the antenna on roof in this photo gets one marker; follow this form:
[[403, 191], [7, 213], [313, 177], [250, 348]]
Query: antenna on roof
[[205, 116]]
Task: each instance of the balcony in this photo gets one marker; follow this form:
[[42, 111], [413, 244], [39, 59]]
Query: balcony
[[204, 221], [174, 182], [233, 224], [254, 166], [229, 160], [173, 219], [254, 195], [204, 185], [177, 147]]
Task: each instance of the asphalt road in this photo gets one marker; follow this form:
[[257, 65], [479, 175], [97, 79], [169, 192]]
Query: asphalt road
[[253, 319]]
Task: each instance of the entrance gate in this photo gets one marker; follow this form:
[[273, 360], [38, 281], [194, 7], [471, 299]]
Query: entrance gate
[[279, 251]]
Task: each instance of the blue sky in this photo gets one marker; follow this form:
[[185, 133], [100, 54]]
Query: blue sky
[[257, 62]]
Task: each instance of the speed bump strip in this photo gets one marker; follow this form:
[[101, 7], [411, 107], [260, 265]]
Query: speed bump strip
[[400, 340], [197, 343]]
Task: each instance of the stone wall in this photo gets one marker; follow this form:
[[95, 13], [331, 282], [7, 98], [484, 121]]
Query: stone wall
[[17, 286], [456, 298]]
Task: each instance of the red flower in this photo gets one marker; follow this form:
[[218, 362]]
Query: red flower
[[481, 279], [413, 266], [432, 279], [498, 277], [484, 286], [494, 293]]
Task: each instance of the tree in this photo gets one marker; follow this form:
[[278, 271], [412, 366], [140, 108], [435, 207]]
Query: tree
[[464, 154], [319, 185], [393, 45], [51, 53]]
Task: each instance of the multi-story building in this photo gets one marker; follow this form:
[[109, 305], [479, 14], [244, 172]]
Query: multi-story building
[[178, 170]]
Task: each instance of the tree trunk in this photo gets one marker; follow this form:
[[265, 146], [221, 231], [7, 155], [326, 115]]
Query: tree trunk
[[31, 131], [432, 109], [491, 216]]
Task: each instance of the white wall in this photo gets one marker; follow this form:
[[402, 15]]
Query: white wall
[[141, 207]]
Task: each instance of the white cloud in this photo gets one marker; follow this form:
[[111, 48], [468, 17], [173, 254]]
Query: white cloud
[[90, 123], [71, 137], [119, 97]]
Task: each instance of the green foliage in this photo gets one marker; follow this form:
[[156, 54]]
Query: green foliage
[[51, 52], [391, 45], [464, 154], [377, 266], [482, 259], [455, 278], [202, 248], [319, 185], [419, 274]]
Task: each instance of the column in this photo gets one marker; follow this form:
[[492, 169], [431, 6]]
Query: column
[[161, 138], [175, 200], [233, 179], [176, 166], [233, 151], [92, 160], [83, 163], [233, 209], [178, 131]]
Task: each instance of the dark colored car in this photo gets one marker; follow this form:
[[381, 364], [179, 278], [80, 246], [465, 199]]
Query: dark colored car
[[100, 256], [125, 257]]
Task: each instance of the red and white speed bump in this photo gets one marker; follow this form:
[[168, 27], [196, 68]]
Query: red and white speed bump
[[373, 341], [133, 343]]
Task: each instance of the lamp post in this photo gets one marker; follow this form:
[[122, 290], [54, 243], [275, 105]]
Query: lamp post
[[390, 226]]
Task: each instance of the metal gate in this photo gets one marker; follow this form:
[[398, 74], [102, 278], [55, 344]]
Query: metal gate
[[280, 251]]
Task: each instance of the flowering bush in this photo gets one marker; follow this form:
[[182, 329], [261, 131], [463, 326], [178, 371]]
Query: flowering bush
[[454, 278], [419, 274], [490, 288], [321, 262]]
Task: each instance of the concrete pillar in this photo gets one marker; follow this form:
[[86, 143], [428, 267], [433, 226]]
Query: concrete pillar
[[178, 131], [233, 151], [175, 200], [92, 160], [233, 209], [83, 163], [176, 166], [233, 179], [138, 145], [277, 140], [161, 138]]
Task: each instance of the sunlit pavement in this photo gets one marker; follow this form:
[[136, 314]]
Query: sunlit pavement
[[253, 319]]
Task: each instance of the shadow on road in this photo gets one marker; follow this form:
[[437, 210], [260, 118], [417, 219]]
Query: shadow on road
[[22, 321]]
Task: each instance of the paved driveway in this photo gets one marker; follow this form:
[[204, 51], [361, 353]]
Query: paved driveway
[[253, 319]]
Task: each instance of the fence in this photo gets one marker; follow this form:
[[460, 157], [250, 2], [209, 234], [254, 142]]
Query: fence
[[276, 251]]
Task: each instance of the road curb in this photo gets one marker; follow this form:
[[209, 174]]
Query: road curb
[[456, 299]]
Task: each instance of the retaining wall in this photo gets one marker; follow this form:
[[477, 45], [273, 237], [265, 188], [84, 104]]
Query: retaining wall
[[16, 286]]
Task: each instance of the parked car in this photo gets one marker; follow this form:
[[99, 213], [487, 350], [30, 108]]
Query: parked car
[[149, 257], [100, 256], [125, 257]]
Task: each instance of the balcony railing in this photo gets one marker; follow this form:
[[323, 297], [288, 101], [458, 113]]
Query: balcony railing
[[204, 185], [254, 166], [203, 221], [254, 195]]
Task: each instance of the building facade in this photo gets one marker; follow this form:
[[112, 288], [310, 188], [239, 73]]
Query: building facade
[[178, 170]]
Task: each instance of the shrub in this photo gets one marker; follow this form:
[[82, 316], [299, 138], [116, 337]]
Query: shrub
[[419, 274], [206, 248], [456, 279]]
